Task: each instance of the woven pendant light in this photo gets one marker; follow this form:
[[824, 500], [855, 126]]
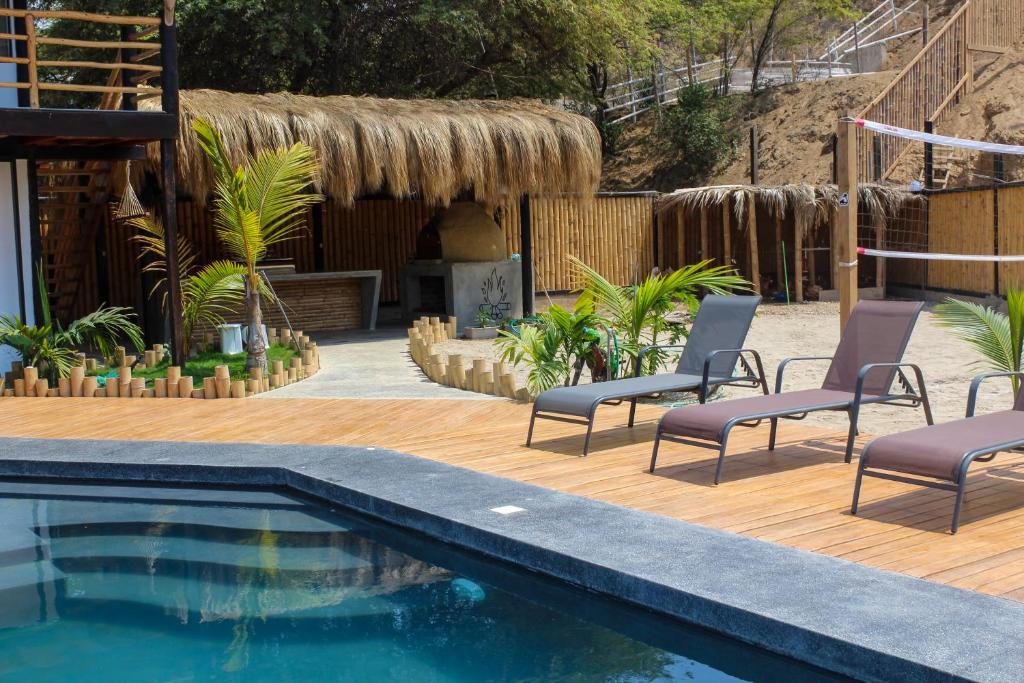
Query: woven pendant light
[[130, 206]]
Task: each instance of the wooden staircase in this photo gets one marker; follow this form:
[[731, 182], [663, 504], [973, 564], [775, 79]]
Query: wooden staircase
[[73, 197]]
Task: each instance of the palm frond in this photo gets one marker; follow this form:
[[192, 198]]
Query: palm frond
[[985, 329], [215, 290], [104, 328], [276, 184]]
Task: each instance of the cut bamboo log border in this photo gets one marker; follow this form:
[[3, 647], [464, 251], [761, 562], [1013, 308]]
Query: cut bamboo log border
[[481, 376], [24, 382]]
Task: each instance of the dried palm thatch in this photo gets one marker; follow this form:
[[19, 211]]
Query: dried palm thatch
[[433, 149], [812, 203]]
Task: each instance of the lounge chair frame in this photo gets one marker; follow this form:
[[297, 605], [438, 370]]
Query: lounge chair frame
[[910, 398], [959, 485], [753, 377]]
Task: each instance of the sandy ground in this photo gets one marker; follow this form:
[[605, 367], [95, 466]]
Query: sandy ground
[[812, 329]]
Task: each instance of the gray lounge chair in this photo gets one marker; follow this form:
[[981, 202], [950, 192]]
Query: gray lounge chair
[[863, 368], [709, 358], [942, 453]]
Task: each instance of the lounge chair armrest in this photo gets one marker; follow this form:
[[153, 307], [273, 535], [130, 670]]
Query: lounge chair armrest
[[863, 374], [787, 361], [739, 353], [972, 394], [645, 350]]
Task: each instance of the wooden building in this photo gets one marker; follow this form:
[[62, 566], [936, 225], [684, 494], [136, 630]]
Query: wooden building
[[60, 140]]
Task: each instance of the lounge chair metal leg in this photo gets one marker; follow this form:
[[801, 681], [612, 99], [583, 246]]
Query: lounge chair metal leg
[[852, 436], [771, 436], [927, 407], [632, 411], [654, 451], [956, 506], [586, 441], [856, 487], [529, 434], [721, 459]]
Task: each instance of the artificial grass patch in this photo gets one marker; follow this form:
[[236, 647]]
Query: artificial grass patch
[[204, 363]]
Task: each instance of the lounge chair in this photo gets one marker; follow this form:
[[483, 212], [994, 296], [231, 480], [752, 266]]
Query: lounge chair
[[942, 453], [708, 360], [863, 367]]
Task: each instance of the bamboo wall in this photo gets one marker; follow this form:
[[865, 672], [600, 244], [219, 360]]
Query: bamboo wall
[[613, 233]]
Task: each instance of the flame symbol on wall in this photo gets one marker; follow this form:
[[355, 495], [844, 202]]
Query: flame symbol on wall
[[496, 303]]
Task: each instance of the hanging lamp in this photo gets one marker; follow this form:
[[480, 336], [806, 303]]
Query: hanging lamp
[[129, 206]]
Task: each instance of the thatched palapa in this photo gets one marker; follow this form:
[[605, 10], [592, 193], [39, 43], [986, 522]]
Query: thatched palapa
[[812, 203], [436, 150]]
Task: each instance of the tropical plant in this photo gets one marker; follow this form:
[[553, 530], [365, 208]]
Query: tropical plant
[[638, 312], [998, 337], [258, 204], [551, 347], [207, 293], [51, 348], [483, 319]]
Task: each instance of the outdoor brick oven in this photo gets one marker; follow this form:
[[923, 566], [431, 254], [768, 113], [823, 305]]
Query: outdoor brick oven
[[461, 268]]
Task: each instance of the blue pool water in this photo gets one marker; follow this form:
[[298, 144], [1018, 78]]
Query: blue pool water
[[110, 583]]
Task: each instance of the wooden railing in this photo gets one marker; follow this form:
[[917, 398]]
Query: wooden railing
[[139, 37], [936, 79]]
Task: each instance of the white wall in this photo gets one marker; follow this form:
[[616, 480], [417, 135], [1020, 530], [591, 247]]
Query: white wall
[[9, 285]]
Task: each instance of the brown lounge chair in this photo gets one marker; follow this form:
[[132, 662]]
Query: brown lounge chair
[[942, 453], [863, 367]]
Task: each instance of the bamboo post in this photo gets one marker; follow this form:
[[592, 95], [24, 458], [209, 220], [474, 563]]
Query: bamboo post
[[703, 234], [798, 255], [847, 223], [755, 265], [138, 387], [792, 68], [880, 260], [124, 379], [89, 387], [222, 381], [726, 232], [33, 66], [497, 370], [160, 387], [119, 356], [42, 387], [64, 387], [479, 368], [75, 380], [111, 388], [90, 365], [19, 387], [238, 388], [486, 382], [173, 379], [293, 375], [185, 387], [780, 277], [458, 371], [31, 375], [209, 387]]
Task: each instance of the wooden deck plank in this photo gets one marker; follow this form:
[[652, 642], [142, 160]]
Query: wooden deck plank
[[797, 496]]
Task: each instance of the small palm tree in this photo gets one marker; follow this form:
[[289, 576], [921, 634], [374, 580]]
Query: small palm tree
[[998, 337], [207, 293], [638, 312], [51, 347], [258, 204]]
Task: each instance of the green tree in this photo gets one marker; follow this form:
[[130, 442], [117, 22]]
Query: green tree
[[258, 204]]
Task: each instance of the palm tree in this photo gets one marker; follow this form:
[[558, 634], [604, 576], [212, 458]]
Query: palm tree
[[998, 337], [258, 204], [207, 293], [638, 312], [51, 347]]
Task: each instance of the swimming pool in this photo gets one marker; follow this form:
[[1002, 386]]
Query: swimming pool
[[101, 583]]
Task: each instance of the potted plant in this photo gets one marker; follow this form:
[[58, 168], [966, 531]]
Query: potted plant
[[486, 328]]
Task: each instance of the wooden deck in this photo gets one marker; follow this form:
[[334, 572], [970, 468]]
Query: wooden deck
[[798, 497]]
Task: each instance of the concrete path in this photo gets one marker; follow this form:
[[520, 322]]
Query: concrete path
[[365, 364]]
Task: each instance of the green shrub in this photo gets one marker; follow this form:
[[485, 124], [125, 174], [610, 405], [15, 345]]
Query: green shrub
[[694, 126]]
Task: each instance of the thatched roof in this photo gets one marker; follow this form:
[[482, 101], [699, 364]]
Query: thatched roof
[[433, 149], [813, 203]]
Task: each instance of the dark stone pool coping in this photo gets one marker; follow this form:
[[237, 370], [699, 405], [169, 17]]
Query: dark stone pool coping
[[866, 623]]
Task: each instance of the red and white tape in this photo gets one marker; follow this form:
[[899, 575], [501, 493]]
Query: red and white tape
[[922, 256]]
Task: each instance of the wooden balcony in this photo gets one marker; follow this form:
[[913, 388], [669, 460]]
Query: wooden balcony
[[73, 90]]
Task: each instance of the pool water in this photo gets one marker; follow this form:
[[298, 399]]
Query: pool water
[[113, 583]]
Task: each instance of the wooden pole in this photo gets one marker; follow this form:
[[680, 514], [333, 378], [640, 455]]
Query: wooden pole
[[168, 163], [703, 234], [780, 278], [727, 231], [755, 265], [798, 255], [526, 248], [753, 154], [680, 238], [847, 220]]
